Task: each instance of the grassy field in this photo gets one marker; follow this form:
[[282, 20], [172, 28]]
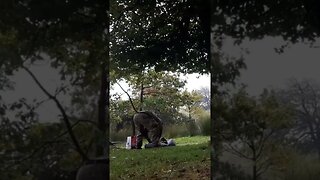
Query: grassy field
[[190, 159]]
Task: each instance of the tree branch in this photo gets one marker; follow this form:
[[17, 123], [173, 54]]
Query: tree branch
[[305, 109], [128, 96], [260, 148], [263, 167], [41, 147], [236, 152], [88, 121], [64, 115]]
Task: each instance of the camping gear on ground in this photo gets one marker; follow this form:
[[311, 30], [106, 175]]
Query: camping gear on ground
[[163, 143], [131, 142], [163, 140], [171, 142], [150, 145]]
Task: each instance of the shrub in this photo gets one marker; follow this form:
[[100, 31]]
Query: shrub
[[120, 135], [305, 167], [204, 122], [232, 172], [175, 130], [193, 128]]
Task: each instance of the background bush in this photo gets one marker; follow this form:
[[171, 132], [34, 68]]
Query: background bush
[[204, 122], [175, 130], [120, 135], [306, 167]]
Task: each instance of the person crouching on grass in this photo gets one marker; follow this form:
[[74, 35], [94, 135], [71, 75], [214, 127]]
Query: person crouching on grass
[[147, 123]]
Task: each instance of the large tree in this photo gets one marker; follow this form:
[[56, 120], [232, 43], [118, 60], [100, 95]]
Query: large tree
[[206, 101], [249, 126], [160, 92], [294, 21], [304, 96], [76, 41], [167, 35]]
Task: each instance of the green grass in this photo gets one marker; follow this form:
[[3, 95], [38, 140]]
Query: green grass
[[192, 140], [190, 159]]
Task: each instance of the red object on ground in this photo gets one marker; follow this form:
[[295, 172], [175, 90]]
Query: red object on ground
[[133, 142]]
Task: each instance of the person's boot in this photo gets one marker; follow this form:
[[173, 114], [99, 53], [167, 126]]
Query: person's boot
[[151, 145], [139, 145]]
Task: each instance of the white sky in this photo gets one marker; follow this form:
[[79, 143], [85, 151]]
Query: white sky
[[196, 81]]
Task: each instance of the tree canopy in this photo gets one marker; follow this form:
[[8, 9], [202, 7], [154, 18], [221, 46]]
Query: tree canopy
[[293, 20], [167, 35]]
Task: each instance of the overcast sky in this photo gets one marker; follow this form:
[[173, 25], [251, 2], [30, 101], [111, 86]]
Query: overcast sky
[[268, 69]]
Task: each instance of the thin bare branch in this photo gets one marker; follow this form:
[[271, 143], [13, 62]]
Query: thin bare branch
[[263, 167], [64, 115], [39, 148], [128, 96], [260, 149], [234, 151]]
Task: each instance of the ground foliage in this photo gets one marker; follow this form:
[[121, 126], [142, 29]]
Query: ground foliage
[[185, 161]]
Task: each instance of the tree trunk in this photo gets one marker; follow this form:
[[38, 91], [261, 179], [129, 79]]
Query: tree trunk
[[189, 112], [254, 160], [98, 167], [254, 171], [215, 129], [102, 114], [318, 148], [141, 96], [102, 146]]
